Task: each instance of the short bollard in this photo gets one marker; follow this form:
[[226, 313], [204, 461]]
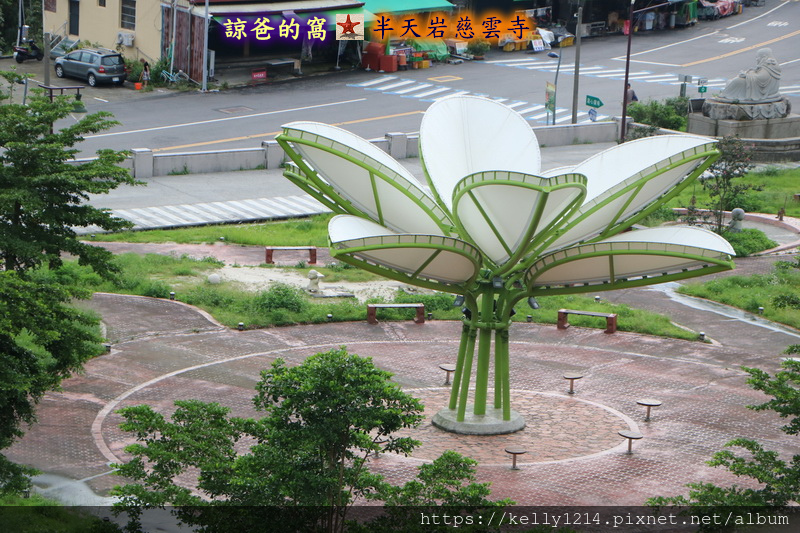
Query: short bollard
[[631, 436], [241, 326], [572, 376], [172, 295], [514, 451], [649, 403], [449, 369]]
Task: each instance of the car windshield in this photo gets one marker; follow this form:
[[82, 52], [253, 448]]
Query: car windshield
[[112, 60]]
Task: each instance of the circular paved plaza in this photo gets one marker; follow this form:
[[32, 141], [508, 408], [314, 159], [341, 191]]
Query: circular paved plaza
[[165, 351]]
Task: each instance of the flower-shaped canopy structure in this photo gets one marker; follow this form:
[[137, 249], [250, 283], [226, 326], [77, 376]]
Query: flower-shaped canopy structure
[[495, 229]]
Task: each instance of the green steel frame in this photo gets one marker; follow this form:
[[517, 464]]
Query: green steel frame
[[493, 290]]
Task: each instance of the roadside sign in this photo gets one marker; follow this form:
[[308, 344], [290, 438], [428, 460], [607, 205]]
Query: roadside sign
[[702, 81], [593, 115], [702, 89], [550, 96], [593, 101], [684, 78]]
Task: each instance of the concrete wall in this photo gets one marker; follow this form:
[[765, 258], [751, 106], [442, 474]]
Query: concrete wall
[[146, 164]]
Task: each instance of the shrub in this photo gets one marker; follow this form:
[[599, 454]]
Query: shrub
[[280, 296], [660, 115], [786, 300], [154, 289], [749, 241]]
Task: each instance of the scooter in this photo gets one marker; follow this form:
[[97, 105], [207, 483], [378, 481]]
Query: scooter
[[21, 53]]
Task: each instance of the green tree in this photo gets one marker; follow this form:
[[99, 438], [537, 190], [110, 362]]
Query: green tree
[[43, 193], [779, 479], [724, 180], [323, 421], [42, 341]]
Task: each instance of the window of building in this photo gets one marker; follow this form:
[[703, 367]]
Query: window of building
[[128, 19], [50, 5], [101, 3]]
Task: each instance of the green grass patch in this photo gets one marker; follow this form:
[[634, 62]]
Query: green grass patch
[[311, 231], [156, 276], [38, 514], [779, 188], [778, 292]]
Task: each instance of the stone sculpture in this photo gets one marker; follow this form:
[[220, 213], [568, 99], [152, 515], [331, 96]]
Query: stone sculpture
[[758, 84], [753, 94]]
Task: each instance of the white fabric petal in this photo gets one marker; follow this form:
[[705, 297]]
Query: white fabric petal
[[639, 257], [462, 135], [412, 258], [363, 178]]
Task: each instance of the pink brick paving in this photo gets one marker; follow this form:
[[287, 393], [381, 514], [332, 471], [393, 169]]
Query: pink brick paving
[[572, 441]]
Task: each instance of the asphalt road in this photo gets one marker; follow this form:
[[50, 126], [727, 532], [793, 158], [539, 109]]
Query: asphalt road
[[371, 104]]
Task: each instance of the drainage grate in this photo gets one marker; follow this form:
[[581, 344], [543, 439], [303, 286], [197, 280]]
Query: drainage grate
[[231, 110]]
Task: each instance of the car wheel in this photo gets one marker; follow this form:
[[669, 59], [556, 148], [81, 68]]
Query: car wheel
[[92, 80], [59, 71]]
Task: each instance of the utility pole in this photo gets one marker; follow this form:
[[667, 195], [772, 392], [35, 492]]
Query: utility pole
[[576, 78], [627, 73], [205, 50]]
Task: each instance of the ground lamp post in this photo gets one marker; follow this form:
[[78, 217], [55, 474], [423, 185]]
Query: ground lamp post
[[627, 72], [555, 82], [495, 230]]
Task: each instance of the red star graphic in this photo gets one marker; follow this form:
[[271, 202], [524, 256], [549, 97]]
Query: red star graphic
[[348, 27]]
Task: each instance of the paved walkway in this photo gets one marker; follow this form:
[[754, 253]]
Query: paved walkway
[[163, 351]]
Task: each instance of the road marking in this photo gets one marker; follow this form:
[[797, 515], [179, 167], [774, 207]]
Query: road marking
[[788, 62], [375, 82], [746, 49], [758, 17], [428, 93], [529, 109], [623, 58], [274, 133], [649, 77], [457, 93], [412, 89], [732, 40], [778, 23], [225, 119], [96, 98], [391, 86], [442, 79]]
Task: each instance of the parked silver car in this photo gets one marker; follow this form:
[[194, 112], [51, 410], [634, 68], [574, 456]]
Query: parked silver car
[[93, 65]]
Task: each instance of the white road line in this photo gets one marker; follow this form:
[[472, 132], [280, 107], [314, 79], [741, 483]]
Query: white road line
[[391, 86], [457, 93], [529, 109], [610, 74], [179, 210], [552, 64], [244, 208], [375, 82], [211, 121], [537, 117], [511, 60], [651, 77], [148, 216], [758, 17], [432, 91], [788, 62], [412, 89], [265, 207], [516, 104]]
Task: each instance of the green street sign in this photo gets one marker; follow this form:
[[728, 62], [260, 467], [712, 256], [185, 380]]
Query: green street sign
[[593, 101], [702, 89]]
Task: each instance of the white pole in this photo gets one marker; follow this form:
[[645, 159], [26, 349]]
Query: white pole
[[205, 51], [172, 36]]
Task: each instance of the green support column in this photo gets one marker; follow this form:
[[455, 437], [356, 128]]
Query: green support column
[[469, 351], [462, 350], [484, 352], [501, 368]]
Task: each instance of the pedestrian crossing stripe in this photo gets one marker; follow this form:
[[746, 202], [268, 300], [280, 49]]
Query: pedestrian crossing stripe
[[429, 93], [252, 210]]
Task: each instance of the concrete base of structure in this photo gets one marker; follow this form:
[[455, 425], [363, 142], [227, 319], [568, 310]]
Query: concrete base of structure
[[772, 128], [491, 423]]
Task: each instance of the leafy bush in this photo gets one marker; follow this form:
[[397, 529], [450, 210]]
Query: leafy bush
[[786, 300], [670, 114], [281, 296], [154, 289], [749, 241]]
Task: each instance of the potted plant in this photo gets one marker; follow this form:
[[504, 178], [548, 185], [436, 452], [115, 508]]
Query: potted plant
[[478, 48]]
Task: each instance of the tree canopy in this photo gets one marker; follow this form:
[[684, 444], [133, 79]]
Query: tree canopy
[[42, 341], [305, 462], [43, 192]]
